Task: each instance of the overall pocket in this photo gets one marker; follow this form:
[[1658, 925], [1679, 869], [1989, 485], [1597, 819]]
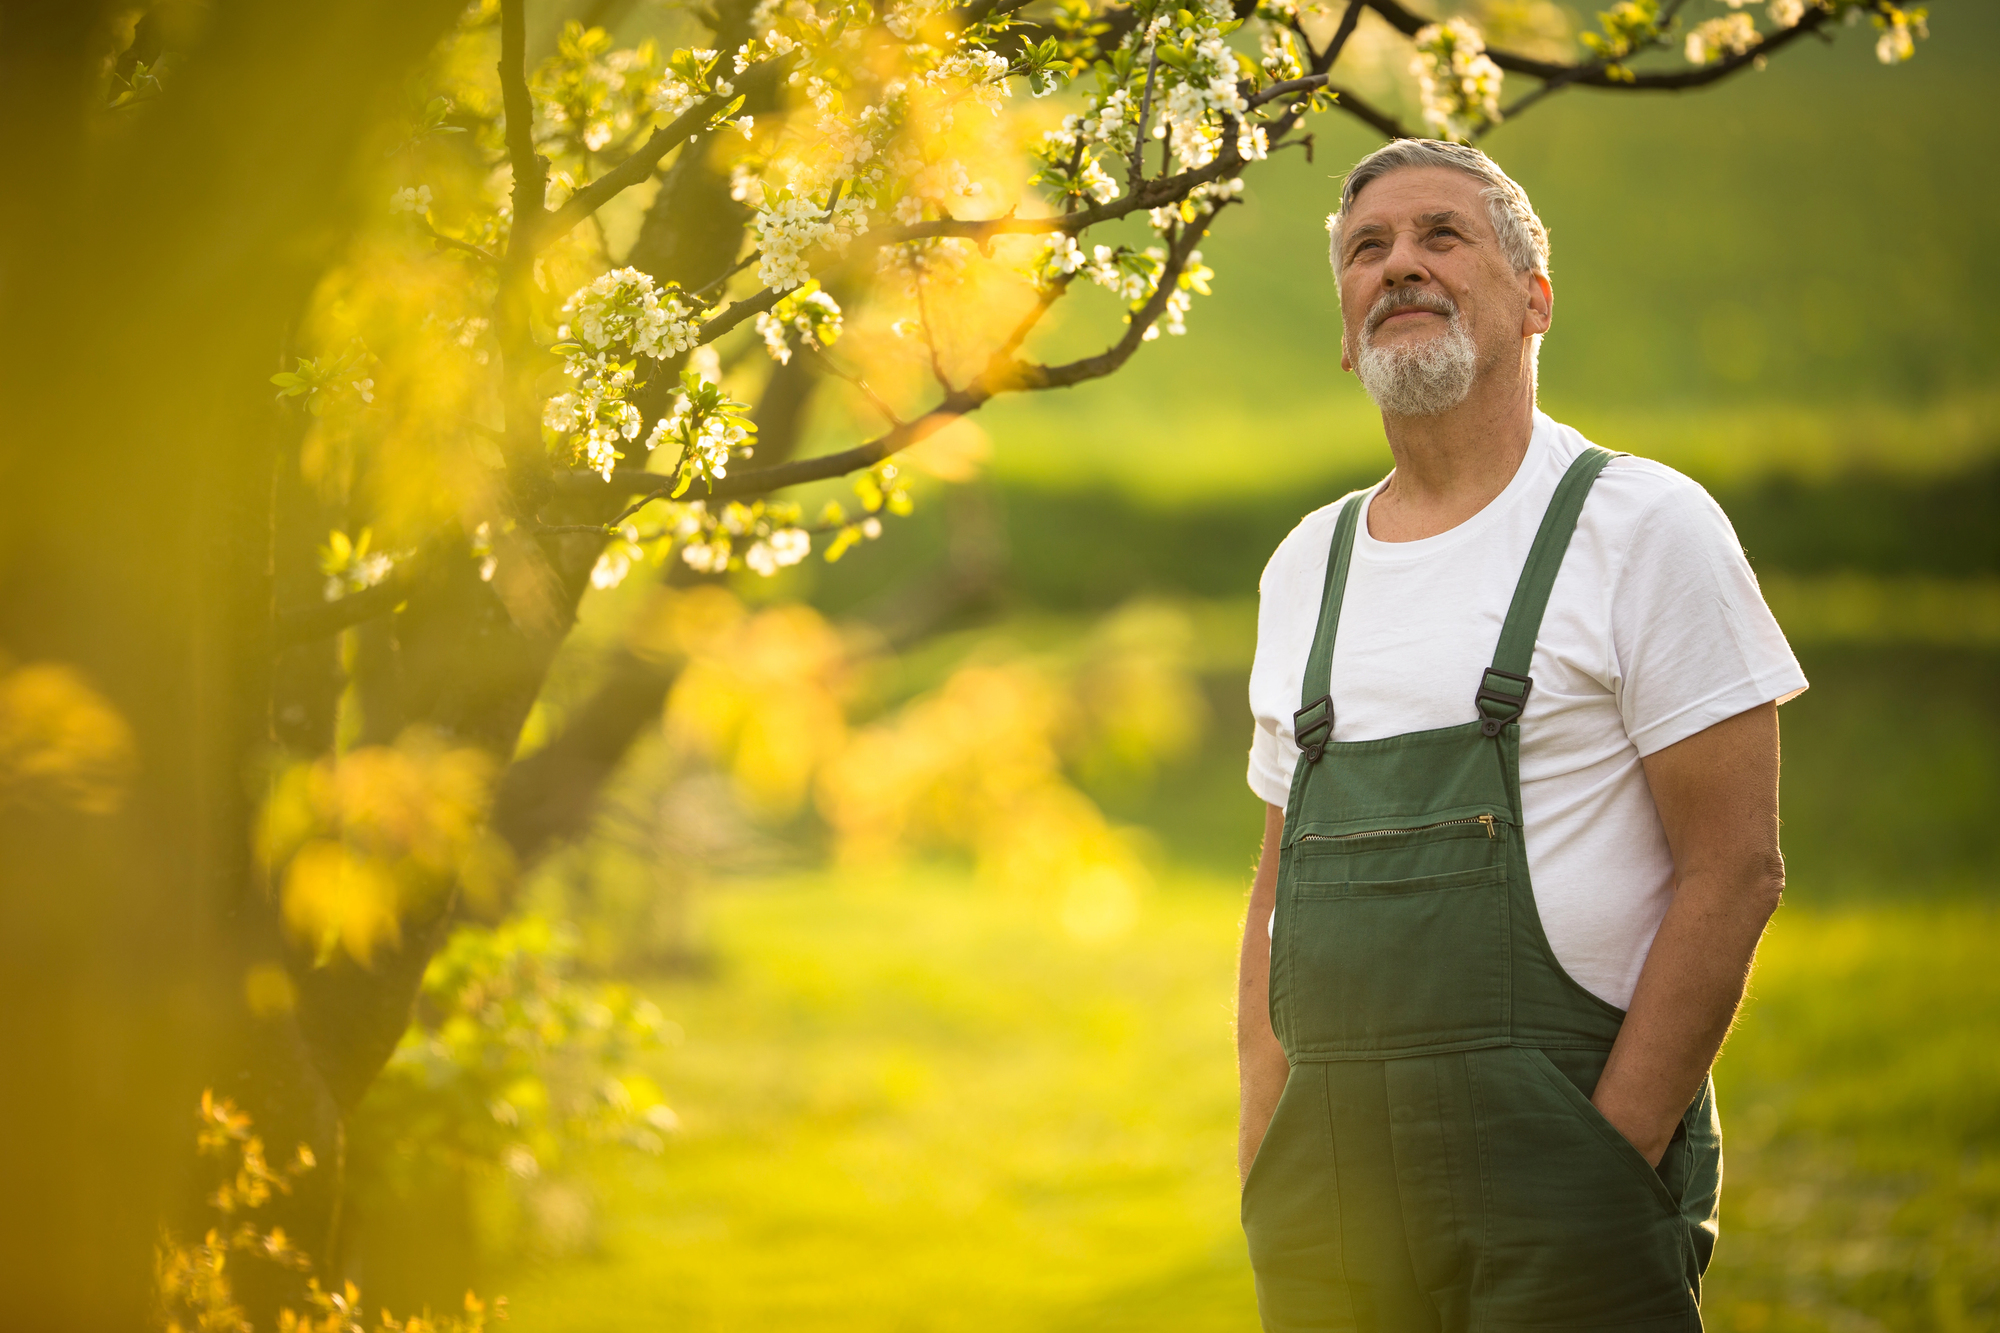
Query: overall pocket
[[1580, 1229], [1379, 966]]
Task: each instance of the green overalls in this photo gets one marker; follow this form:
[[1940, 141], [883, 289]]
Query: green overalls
[[1435, 1162]]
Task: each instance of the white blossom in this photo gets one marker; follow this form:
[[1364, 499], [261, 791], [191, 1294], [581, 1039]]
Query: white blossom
[[611, 567], [625, 307], [791, 545], [788, 230], [1728, 35], [674, 96], [415, 200], [707, 557], [772, 331], [810, 312], [1098, 183], [1896, 44], [1457, 82]]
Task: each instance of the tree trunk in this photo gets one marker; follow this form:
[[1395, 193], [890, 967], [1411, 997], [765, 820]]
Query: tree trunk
[[152, 260]]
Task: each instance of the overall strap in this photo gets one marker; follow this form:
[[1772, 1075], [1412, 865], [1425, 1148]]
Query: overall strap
[[1312, 725], [1503, 690]]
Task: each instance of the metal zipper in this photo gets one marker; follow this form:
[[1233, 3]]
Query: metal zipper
[[1488, 820]]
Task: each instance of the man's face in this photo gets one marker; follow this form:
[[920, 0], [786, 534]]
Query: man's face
[[1418, 244]]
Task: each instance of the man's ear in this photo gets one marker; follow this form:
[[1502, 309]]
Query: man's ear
[[1346, 362], [1541, 305]]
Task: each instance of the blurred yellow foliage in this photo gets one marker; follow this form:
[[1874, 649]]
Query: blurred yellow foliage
[[404, 438], [981, 765], [1141, 704], [192, 1287], [761, 693], [268, 990], [974, 767], [366, 837], [62, 744]]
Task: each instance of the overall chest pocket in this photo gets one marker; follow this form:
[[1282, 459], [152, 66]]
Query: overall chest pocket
[[1394, 948]]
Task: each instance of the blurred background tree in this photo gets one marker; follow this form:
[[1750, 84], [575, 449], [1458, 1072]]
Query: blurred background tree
[[501, 607]]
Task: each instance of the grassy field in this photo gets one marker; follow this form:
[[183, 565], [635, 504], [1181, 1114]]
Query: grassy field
[[913, 1104]]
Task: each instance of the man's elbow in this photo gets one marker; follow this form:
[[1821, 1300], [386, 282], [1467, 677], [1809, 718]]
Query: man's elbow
[[1765, 885]]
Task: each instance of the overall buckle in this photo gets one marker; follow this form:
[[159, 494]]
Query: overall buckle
[[1501, 699], [1312, 727]]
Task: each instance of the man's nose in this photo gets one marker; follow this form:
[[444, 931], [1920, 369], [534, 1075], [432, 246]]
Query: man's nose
[[1405, 266]]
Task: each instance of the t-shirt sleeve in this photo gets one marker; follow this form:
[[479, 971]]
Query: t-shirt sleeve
[[1693, 639], [1272, 759], [1273, 681]]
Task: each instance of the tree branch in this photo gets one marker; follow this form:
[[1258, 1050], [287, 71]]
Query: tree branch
[[1135, 170], [530, 168], [1003, 375], [875, 399], [641, 164], [304, 624], [930, 337], [453, 243], [1380, 121], [1595, 74], [732, 315], [1029, 376], [1348, 23], [981, 10]]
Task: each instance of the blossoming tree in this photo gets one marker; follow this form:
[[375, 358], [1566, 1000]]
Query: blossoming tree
[[569, 332]]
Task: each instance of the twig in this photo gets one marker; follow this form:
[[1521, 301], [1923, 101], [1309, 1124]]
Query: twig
[[1029, 376], [1055, 292], [452, 242], [924, 323], [1348, 22], [1135, 167], [735, 313], [876, 400], [1005, 376], [1304, 141], [304, 624], [701, 293], [636, 168], [1272, 92], [1596, 74], [981, 10], [1380, 121], [531, 170]]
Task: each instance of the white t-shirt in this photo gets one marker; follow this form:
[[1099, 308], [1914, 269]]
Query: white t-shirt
[[1655, 630]]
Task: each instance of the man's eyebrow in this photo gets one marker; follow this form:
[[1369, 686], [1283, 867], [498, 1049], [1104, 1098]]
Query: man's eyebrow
[[1445, 218], [1367, 229]]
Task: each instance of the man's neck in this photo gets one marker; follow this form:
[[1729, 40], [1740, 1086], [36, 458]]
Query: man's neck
[[1452, 465]]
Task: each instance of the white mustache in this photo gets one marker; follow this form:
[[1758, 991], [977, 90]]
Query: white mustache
[[1408, 298]]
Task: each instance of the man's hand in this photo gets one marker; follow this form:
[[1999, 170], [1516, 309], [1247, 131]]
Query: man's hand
[[1261, 1067], [1717, 793]]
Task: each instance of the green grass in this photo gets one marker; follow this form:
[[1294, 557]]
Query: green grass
[[1861, 1117], [912, 1103], [917, 1104]]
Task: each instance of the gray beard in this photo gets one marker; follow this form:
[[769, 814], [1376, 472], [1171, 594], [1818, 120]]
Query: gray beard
[[1423, 380]]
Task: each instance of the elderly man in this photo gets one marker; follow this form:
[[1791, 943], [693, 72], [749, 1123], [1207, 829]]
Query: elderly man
[[1517, 731]]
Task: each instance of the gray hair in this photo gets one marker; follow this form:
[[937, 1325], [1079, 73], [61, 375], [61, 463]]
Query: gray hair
[[1523, 238]]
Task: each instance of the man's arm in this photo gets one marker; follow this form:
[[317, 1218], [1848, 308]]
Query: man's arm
[[1261, 1067], [1717, 793]]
